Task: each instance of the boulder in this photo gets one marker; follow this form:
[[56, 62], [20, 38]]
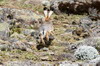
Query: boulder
[[92, 41], [86, 53], [8, 14], [74, 6]]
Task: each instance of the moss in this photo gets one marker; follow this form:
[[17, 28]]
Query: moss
[[29, 56], [16, 51], [17, 55], [4, 56], [1, 0]]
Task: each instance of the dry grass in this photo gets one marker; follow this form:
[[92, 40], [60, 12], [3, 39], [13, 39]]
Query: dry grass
[[20, 4]]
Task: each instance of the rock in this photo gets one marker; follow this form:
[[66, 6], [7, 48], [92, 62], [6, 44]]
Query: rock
[[33, 2], [26, 63], [19, 63], [87, 28], [20, 45], [67, 56], [11, 40], [85, 20], [98, 64], [45, 58], [86, 53], [74, 6], [46, 3], [4, 30], [16, 35], [96, 28], [45, 49], [94, 62], [92, 41], [8, 14], [27, 31], [54, 5], [68, 63], [94, 14]]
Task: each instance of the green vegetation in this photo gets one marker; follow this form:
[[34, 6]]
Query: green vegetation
[[17, 55]]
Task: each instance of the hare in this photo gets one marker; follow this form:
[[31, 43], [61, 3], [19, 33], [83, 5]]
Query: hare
[[46, 28]]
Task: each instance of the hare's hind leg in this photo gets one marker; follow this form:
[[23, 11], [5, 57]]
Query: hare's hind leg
[[42, 40], [47, 36], [52, 33]]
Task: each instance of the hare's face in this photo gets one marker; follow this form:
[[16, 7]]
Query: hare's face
[[37, 23]]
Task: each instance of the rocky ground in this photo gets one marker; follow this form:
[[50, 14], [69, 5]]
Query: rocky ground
[[18, 47]]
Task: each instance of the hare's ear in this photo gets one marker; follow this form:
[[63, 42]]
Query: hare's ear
[[45, 13], [50, 13]]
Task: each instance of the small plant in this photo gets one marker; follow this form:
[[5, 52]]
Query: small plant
[[86, 53]]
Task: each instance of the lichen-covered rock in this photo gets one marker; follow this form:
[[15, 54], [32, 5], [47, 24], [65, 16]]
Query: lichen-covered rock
[[27, 31], [86, 53], [8, 14], [24, 46]]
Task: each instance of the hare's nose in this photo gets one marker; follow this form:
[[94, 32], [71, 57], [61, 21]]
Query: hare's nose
[[37, 37], [46, 19]]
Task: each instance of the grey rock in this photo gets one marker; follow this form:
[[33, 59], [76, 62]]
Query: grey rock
[[94, 13], [11, 40], [68, 63], [33, 2], [45, 49], [68, 56], [4, 29], [91, 27], [16, 35], [24, 46], [27, 31], [8, 14], [92, 41], [26, 63]]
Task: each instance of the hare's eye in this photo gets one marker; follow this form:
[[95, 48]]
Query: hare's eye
[[39, 34], [45, 8], [35, 22], [39, 22]]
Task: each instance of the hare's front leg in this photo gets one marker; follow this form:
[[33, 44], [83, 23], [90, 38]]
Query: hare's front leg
[[42, 40], [52, 33], [47, 36]]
